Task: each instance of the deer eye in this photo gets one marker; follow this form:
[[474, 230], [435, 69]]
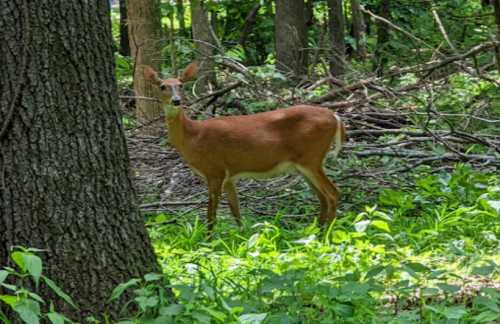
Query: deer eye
[[163, 87]]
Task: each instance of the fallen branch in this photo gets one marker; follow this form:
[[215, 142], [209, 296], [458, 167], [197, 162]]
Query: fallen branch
[[218, 93]]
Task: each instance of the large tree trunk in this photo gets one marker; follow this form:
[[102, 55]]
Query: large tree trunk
[[64, 168], [382, 37], [358, 28], [205, 45], [291, 37], [336, 22], [145, 44], [179, 4], [124, 41], [496, 4]]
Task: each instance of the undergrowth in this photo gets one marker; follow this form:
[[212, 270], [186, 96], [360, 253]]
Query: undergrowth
[[427, 254]]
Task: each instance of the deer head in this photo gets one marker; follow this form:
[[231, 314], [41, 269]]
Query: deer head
[[171, 88]]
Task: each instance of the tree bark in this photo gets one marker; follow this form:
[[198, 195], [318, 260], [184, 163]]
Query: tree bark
[[179, 4], [64, 169], [336, 22], [145, 45], [496, 5], [291, 37], [124, 41], [382, 37], [205, 45], [248, 25], [309, 12], [358, 28]]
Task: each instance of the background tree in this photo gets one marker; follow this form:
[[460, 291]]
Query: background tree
[[124, 40], [179, 4], [380, 59], [64, 168], [358, 28], [145, 45], [496, 5], [336, 22], [291, 37], [204, 42]]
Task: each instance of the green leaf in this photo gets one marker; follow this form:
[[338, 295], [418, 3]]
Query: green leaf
[[9, 300], [146, 302], [52, 285], [455, 312], [487, 302], [493, 204], [215, 314], [3, 276], [374, 271], [381, 225], [152, 277], [186, 292], [486, 317], [36, 297], [33, 264], [417, 267], [56, 318], [484, 270], [449, 289], [201, 317], [29, 311], [361, 226], [339, 236], [172, 310], [17, 256], [252, 318], [118, 291], [158, 320]]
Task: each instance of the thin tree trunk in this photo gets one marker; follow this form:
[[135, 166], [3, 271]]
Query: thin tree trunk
[[496, 5], [248, 25], [180, 17], [204, 42], [382, 37], [145, 45], [336, 22], [309, 13], [124, 41], [64, 169], [358, 28], [173, 50], [291, 37]]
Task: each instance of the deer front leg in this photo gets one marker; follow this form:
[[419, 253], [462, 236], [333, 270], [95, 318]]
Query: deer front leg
[[232, 197], [214, 192]]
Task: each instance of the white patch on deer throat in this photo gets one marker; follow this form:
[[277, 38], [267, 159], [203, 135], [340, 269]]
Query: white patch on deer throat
[[171, 111]]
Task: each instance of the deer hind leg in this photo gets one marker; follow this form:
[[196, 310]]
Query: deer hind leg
[[325, 187], [322, 200], [232, 197], [333, 194], [214, 192]]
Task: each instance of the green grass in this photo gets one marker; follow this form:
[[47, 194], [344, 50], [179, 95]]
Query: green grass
[[403, 257]]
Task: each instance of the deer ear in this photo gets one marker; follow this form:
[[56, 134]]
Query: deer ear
[[151, 75], [190, 72]]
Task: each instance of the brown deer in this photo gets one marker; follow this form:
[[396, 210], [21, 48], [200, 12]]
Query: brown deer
[[224, 149]]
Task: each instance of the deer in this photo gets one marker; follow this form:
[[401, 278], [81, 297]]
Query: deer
[[222, 150]]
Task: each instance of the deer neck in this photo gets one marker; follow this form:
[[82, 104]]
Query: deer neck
[[179, 126]]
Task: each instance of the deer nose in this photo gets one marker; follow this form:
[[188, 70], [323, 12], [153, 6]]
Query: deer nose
[[176, 101]]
